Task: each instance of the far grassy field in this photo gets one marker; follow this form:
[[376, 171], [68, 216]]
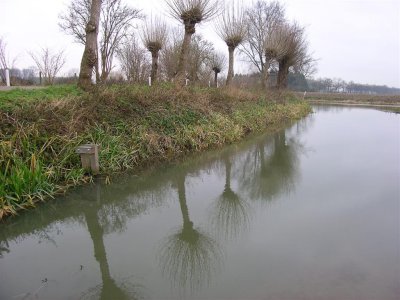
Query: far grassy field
[[18, 97], [360, 99]]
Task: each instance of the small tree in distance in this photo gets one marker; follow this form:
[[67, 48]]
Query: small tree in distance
[[190, 13], [133, 60], [154, 35], [48, 63], [218, 62], [231, 28]]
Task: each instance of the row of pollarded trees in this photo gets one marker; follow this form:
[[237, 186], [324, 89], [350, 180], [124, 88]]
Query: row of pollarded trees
[[265, 37]]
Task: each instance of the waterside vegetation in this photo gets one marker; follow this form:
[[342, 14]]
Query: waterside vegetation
[[134, 126]]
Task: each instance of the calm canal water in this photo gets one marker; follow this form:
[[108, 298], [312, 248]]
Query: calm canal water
[[310, 212]]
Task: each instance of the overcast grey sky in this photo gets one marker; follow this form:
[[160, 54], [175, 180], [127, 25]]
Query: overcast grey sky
[[355, 40]]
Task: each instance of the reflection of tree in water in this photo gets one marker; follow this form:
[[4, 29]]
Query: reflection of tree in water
[[189, 256], [229, 213], [275, 173], [4, 248], [108, 289]]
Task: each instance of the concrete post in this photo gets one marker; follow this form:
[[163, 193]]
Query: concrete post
[[149, 80], [187, 82], [89, 157], [8, 77]]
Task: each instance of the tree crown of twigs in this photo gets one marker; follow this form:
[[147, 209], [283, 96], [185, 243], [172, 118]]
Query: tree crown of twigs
[[154, 34], [191, 12], [231, 26], [217, 62]]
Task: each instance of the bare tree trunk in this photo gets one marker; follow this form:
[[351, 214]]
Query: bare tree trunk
[[104, 72], [90, 56], [183, 57], [154, 66], [229, 78], [215, 79], [283, 74], [265, 74], [264, 78]]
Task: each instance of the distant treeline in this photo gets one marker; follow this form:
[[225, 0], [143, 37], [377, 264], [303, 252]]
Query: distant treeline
[[298, 82], [30, 76]]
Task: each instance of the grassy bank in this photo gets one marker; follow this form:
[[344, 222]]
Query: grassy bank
[[133, 125]]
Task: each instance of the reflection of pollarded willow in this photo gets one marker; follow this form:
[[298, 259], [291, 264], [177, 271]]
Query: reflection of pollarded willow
[[108, 289], [189, 256], [230, 213], [274, 174]]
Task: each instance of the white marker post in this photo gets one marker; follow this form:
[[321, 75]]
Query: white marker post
[[8, 77], [149, 80], [187, 82]]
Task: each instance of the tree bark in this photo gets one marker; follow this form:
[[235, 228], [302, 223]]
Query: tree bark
[[154, 66], [90, 55], [283, 74], [215, 79], [183, 57], [229, 78]]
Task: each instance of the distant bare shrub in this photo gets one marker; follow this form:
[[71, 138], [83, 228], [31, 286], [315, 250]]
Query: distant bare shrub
[[133, 60], [48, 63]]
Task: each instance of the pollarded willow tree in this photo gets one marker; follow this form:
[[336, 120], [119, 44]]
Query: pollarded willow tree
[[293, 53], [190, 13], [218, 63], [154, 36], [231, 27], [276, 45]]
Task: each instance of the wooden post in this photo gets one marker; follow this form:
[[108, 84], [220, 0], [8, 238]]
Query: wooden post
[[40, 78], [8, 77], [89, 157]]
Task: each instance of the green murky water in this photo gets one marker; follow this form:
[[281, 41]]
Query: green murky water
[[310, 212]]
